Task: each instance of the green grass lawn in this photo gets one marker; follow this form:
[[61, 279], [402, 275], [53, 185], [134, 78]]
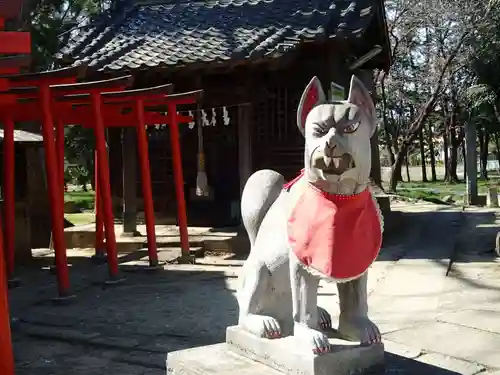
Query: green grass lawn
[[82, 218], [84, 201], [442, 189]]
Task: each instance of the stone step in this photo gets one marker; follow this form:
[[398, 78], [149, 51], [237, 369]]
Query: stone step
[[224, 240]]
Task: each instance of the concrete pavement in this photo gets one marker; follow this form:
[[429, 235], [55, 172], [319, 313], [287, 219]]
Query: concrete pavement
[[432, 323]]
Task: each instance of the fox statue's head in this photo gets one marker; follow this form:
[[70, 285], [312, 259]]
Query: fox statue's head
[[337, 138]]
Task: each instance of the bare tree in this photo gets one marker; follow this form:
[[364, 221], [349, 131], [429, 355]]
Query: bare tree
[[430, 46]]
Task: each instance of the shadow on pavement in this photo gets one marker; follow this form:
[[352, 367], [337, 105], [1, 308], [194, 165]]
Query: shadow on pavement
[[126, 329], [443, 229], [395, 364]]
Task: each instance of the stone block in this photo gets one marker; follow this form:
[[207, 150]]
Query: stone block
[[492, 197], [283, 355], [384, 203], [480, 200]]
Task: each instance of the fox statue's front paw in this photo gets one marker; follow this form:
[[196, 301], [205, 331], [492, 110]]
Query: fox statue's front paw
[[360, 329], [311, 339], [261, 326], [324, 319]]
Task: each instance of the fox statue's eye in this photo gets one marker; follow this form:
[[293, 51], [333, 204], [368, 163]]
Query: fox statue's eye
[[351, 128], [320, 130]]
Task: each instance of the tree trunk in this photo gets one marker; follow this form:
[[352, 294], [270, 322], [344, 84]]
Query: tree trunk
[[396, 167], [432, 156], [480, 137], [497, 147], [483, 153], [376, 168], [487, 138], [390, 153], [470, 144], [464, 157], [445, 152], [407, 162], [422, 154], [387, 139], [452, 164], [454, 142], [89, 163]]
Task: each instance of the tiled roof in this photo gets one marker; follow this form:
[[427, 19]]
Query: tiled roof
[[179, 33]]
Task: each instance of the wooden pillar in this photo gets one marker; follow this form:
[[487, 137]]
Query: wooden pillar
[[245, 115], [22, 242], [366, 76], [129, 165], [56, 203], [178, 180], [100, 252], [105, 187], [147, 194], [9, 196], [37, 201]]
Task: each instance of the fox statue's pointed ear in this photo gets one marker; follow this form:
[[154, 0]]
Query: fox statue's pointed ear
[[359, 95], [312, 96]]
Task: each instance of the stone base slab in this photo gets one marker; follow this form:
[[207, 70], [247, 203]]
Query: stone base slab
[[347, 358], [245, 354]]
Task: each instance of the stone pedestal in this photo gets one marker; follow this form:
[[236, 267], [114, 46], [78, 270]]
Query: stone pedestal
[[492, 197], [246, 354]]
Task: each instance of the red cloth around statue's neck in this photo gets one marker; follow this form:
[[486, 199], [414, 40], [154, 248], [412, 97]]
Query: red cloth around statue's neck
[[339, 236]]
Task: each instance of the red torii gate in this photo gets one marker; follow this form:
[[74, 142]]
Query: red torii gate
[[69, 104], [10, 43], [36, 86], [55, 99], [33, 98], [127, 108]]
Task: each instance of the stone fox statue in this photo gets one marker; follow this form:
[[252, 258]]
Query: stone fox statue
[[323, 224]]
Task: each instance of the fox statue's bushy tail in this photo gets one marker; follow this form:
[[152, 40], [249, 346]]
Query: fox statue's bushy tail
[[260, 192]]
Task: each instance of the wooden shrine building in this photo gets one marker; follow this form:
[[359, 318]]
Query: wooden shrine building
[[253, 59], [31, 197]]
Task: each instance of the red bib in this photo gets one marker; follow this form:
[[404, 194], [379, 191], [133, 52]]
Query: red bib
[[339, 236]]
